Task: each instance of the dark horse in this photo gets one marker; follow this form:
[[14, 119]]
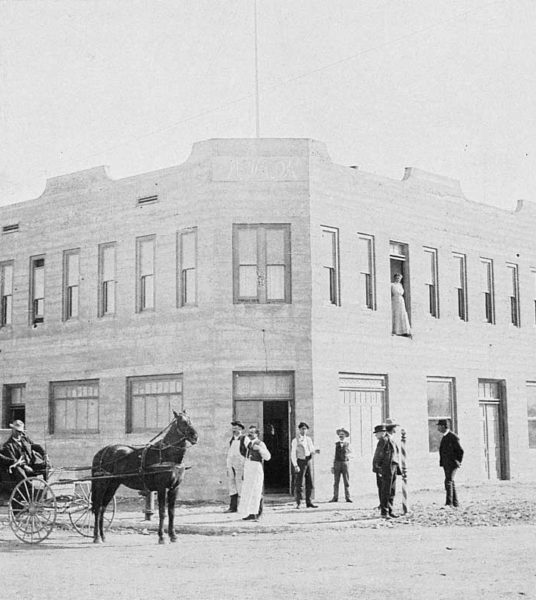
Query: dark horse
[[156, 467]]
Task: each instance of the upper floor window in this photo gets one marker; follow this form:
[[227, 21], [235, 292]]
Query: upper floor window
[[37, 290], [400, 289], [460, 267], [6, 293], [487, 286], [151, 400], [514, 294], [367, 272], [107, 281], [261, 263], [187, 245], [330, 266], [71, 283], [431, 281], [74, 406], [145, 267]]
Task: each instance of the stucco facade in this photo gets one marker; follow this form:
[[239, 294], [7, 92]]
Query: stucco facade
[[303, 345]]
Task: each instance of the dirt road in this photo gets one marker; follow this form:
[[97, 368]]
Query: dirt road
[[413, 563]]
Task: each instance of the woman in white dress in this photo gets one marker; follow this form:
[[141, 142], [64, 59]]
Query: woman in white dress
[[252, 486], [400, 316]]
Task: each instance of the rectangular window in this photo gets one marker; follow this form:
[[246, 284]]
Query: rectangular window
[[151, 401], [187, 247], [431, 283], [145, 266], [367, 272], [330, 265], [13, 405], [261, 263], [513, 278], [6, 293], [362, 405], [531, 412], [107, 282], [37, 290], [71, 283], [487, 287], [533, 276], [74, 406], [460, 267], [441, 405]]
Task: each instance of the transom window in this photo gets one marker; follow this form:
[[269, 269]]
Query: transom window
[[152, 400]]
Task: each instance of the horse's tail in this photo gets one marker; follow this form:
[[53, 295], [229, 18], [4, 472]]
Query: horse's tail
[[96, 470]]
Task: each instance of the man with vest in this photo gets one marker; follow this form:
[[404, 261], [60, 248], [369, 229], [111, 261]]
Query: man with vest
[[252, 487], [301, 455], [235, 465], [343, 453]]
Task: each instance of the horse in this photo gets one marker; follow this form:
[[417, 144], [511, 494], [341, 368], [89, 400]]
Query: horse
[[156, 466]]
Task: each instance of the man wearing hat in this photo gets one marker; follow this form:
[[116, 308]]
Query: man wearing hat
[[22, 457], [450, 458], [343, 453], [379, 432], [389, 460], [235, 464], [301, 455]]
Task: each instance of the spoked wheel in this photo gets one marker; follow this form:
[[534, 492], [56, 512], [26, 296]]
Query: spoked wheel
[[79, 510], [32, 510]]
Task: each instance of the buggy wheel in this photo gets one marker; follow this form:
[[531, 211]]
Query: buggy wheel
[[80, 513], [32, 510]]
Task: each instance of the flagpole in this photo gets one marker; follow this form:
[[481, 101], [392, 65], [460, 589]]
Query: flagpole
[[257, 117]]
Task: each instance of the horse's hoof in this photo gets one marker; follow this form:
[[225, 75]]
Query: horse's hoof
[[97, 541], [161, 541], [172, 538]]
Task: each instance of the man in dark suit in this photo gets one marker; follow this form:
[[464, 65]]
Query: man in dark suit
[[450, 458], [21, 456], [388, 462], [343, 453], [379, 432]]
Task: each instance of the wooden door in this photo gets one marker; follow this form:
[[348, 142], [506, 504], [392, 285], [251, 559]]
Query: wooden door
[[491, 436]]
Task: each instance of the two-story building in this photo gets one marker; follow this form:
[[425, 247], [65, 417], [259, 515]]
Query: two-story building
[[254, 281]]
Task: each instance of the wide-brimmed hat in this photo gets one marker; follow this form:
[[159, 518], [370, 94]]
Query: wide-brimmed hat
[[379, 428], [390, 423], [343, 431], [237, 424], [17, 425], [302, 424]]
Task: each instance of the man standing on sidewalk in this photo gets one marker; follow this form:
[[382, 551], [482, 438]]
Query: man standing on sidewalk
[[379, 432], [450, 458], [343, 453], [301, 456], [389, 466], [235, 465]]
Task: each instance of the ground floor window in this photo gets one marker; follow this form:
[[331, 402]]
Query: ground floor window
[[440, 395], [13, 404], [151, 401], [74, 406], [531, 412], [363, 404]]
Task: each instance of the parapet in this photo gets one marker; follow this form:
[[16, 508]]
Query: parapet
[[433, 182], [81, 180]]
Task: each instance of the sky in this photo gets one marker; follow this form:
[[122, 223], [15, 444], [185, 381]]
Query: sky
[[448, 86]]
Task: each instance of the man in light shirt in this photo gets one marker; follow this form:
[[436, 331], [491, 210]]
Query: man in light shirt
[[235, 465], [301, 455]]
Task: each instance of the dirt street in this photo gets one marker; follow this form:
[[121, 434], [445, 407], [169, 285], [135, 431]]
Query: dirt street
[[414, 563]]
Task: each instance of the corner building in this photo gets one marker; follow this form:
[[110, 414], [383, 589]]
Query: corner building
[[253, 282]]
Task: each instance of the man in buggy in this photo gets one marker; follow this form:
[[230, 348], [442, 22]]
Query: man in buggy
[[20, 457]]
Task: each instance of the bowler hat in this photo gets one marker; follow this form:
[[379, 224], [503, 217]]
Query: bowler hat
[[443, 423], [390, 423], [237, 424], [302, 424], [379, 428], [17, 425], [343, 431]]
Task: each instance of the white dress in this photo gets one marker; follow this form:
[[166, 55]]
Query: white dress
[[252, 486], [400, 316]]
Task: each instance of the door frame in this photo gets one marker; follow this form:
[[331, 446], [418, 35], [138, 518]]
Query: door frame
[[504, 461]]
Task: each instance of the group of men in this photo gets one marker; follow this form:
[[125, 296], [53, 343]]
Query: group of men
[[19, 456], [247, 453]]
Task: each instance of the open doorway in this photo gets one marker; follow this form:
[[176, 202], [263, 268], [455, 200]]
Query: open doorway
[[399, 263]]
